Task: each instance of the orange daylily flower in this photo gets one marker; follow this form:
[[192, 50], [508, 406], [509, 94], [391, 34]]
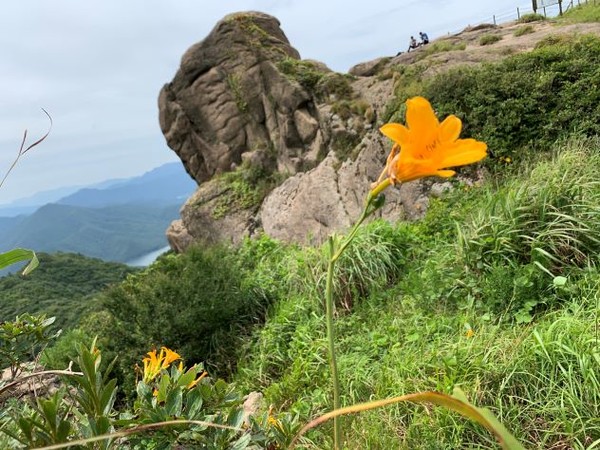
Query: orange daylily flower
[[154, 363], [426, 147], [168, 356]]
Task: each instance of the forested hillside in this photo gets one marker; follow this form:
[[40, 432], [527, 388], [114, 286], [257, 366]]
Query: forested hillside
[[113, 233], [65, 286]]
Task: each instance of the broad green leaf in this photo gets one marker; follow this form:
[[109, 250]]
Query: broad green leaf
[[19, 254], [174, 402], [242, 442], [559, 281], [187, 377]]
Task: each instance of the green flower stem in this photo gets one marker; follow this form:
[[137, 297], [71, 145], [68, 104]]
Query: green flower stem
[[335, 254], [337, 423]]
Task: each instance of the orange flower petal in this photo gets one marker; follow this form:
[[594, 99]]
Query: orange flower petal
[[450, 129], [445, 173], [464, 151], [424, 147], [421, 119], [407, 169], [396, 132], [168, 356]]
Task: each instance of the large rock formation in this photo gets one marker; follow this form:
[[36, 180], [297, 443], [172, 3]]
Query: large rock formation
[[276, 143], [229, 98]]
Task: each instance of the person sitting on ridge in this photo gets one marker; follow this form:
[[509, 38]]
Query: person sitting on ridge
[[412, 44], [424, 38]]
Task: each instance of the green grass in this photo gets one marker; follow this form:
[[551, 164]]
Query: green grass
[[415, 290], [441, 46], [496, 291], [527, 29], [532, 17], [489, 39], [586, 12]]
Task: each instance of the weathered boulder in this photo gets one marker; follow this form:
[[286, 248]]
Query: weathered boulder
[[229, 98], [369, 68], [178, 236], [212, 215], [307, 207]]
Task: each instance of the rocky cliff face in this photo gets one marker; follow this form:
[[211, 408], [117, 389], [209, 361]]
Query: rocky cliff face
[[276, 143]]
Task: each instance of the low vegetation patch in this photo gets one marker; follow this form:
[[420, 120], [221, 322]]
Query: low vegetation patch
[[481, 26], [527, 29], [532, 17], [584, 12], [306, 73], [233, 81], [489, 39], [441, 46], [245, 189], [334, 86]]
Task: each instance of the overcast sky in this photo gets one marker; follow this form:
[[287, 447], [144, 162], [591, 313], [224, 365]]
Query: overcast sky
[[97, 68]]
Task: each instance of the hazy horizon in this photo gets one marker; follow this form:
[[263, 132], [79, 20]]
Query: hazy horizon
[[65, 190]]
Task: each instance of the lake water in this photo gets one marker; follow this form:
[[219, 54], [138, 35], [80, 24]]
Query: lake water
[[148, 258]]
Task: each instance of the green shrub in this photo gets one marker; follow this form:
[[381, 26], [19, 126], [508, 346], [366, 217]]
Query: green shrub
[[585, 12], [234, 84], [196, 302], [306, 73], [244, 188], [84, 406], [441, 46], [522, 104], [527, 29], [553, 40], [335, 85], [489, 39], [532, 17]]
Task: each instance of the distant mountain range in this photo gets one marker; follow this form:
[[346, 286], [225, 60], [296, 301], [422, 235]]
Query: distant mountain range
[[162, 185], [28, 205], [118, 220]]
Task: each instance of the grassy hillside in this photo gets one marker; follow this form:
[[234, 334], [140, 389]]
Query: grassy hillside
[[476, 299], [497, 291], [64, 285], [114, 233]]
